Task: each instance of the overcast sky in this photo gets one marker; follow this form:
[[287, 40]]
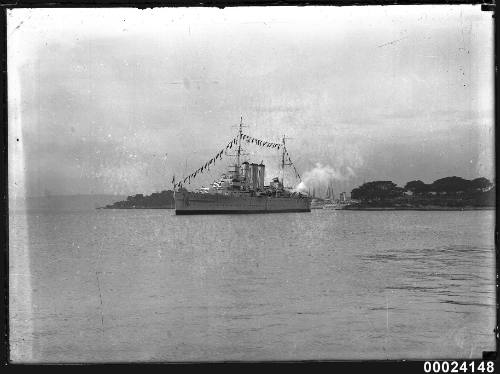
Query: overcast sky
[[118, 100]]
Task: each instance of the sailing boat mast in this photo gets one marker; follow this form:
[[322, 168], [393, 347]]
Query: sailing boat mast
[[329, 191]]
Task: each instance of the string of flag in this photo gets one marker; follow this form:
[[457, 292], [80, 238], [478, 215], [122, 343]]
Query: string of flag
[[205, 167], [252, 140], [218, 156]]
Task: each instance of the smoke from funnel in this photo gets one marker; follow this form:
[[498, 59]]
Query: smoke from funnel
[[321, 176]]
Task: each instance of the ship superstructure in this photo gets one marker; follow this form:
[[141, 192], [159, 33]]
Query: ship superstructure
[[241, 189]]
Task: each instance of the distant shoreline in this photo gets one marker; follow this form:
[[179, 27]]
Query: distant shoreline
[[347, 208], [137, 207], [435, 208]]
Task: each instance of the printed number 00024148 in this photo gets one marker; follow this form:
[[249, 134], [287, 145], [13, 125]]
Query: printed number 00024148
[[456, 367]]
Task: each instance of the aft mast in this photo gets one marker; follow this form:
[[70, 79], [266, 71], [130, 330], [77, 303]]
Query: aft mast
[[239, 143], [283, 163]]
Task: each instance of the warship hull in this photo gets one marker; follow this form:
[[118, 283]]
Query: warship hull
[[213, 203]]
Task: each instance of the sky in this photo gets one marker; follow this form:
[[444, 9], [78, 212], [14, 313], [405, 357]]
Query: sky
[[117, 101]]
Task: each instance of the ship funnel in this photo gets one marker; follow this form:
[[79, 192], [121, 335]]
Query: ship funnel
[[261, 171], [245, 174], [254, 176]]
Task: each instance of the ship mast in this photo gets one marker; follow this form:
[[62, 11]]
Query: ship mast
[[239, 143], [283, 163]]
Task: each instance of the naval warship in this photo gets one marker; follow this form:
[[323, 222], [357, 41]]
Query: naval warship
[[241, 189]]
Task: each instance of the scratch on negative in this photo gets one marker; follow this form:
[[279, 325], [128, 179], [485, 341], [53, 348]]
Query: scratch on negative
[[387, 314], [18, 26], [471, 351], [386, 321], [100, 301], [393, 42], [99, 288]]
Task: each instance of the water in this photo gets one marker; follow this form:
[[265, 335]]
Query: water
[[145, 285]]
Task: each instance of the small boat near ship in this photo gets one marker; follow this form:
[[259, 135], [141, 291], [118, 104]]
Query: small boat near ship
[[242, 189], [317, 203], [332, 203], [329, 202]]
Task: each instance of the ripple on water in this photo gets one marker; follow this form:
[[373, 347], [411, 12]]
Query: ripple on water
[[373, 285]]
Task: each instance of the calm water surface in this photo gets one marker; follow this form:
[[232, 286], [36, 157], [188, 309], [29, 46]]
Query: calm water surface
[[133, 285]]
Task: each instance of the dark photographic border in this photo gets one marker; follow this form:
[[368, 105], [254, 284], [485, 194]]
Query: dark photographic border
[[406, 366]]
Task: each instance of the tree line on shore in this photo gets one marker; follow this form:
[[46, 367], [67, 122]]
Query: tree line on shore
[[163, 199], [448, 191]]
